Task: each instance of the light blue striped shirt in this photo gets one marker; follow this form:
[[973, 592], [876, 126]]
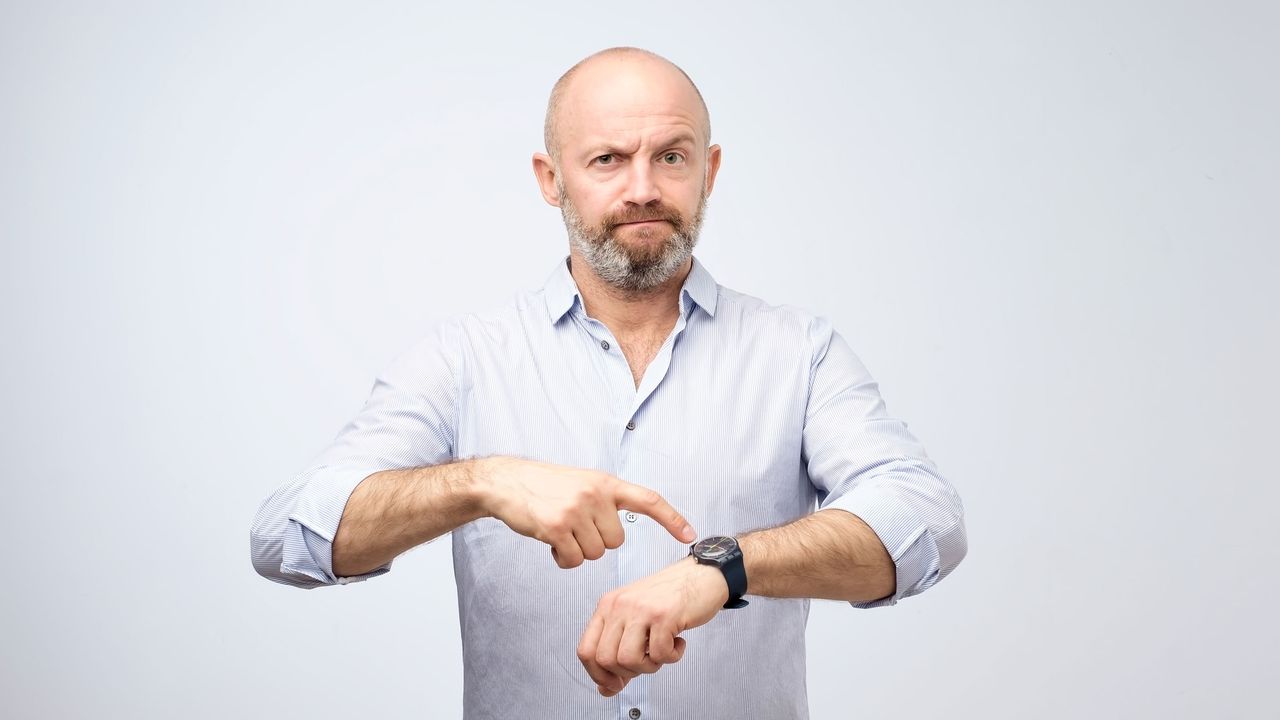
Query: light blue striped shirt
[[749, 416]]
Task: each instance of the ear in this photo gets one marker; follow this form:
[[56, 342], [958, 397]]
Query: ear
[[544, 169], [713, 166]]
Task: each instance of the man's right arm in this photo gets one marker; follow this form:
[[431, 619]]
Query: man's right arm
[[574, 510]]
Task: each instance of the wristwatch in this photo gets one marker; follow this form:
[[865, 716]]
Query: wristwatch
[[723, 552]]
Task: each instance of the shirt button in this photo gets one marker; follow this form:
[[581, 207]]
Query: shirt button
[[631, 517], [631, 425], [634, 713], [604, 344]]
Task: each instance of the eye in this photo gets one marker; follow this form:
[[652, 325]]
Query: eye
[[605, 159], [672, 158]]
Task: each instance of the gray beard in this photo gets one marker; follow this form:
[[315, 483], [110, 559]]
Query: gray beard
[[629, 270]]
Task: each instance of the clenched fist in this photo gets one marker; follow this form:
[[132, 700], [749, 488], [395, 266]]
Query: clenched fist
[[573, 510]]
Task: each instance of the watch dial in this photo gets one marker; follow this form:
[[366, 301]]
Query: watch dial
[[714, 547]]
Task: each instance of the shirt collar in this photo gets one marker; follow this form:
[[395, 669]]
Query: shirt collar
[[561, 292]]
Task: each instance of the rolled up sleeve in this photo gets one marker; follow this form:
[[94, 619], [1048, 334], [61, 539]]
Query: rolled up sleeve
[[409, 420], [863, 461]]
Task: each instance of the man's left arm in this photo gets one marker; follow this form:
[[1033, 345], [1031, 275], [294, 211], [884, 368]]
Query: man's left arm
[[636, 629], [889, 525]]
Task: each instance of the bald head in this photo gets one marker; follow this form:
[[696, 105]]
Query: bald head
[[608, 71]]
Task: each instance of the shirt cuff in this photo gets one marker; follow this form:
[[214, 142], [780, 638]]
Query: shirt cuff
[[308, 541], [317, 555], [904, 533]]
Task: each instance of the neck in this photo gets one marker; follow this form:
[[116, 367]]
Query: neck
[[623, 312]]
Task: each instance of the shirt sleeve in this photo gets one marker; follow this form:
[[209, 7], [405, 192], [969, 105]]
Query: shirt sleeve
[[409, 420], [866, 462]]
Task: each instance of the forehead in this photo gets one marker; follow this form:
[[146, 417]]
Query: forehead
[[624, 98]]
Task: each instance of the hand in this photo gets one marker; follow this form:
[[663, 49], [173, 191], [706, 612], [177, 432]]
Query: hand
[[636, 629], [573, 510]]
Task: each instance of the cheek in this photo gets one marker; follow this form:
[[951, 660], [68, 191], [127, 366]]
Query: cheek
[[590, 204], [685, 194], [595, 196]]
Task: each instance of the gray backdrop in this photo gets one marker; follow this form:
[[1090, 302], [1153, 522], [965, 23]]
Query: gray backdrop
[[1049, 229]]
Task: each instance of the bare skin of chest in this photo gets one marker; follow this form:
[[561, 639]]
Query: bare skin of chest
[[639, 352]]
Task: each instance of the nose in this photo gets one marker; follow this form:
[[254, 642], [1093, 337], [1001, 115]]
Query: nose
[[641, 188]]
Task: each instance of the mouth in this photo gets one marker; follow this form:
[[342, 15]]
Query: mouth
[[643, 222]]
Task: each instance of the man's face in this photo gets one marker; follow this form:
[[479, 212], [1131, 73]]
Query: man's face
[[634, 172]]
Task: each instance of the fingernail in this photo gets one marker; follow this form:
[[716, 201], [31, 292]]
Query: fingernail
[[688, 532]]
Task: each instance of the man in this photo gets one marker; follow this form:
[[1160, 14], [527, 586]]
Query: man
[[629, 401]]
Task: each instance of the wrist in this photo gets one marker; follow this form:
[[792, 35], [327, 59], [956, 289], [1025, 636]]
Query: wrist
[[710, 581], [474, 486]]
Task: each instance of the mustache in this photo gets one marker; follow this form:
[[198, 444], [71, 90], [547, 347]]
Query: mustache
[[661, 212]]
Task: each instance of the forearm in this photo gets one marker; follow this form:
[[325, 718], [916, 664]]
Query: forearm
[[829, 554], [392, 511]]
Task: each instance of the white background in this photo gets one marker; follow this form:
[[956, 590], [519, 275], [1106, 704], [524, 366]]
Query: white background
[[1049, 229]]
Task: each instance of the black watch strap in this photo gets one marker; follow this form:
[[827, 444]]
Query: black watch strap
[[735, 573]]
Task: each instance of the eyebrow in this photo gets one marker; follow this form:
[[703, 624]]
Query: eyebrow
[[681, 137]]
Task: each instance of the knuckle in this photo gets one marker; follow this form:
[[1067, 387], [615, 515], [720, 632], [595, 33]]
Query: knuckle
[[651, 612], [558, 524]]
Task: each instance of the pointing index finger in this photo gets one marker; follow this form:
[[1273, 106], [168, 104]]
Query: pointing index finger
[[648, 502]]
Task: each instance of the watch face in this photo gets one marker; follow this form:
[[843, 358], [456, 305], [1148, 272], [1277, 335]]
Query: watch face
[[714, 547]]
